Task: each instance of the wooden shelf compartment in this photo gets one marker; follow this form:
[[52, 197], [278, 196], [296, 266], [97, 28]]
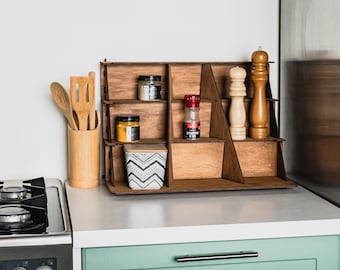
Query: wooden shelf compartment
[[201, 158], [115, 163], [152, 118], [120, 80]]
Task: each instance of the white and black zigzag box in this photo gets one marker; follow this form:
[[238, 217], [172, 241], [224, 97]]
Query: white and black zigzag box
[[145, 164]]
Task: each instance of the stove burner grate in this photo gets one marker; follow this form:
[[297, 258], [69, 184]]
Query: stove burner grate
[[23, 209]]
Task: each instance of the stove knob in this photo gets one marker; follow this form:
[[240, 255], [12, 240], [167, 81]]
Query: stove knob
[[44, 267]]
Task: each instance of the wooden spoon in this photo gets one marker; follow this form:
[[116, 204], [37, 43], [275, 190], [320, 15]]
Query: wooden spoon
[[82, 98], [62, 100]]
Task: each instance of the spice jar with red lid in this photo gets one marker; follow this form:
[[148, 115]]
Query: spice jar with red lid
[[191, 127]]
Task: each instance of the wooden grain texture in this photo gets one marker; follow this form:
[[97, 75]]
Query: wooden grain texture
[[258, 116], [186, 80], [197, 161], [281, 171], [83, 98], [122, 79], [257, 158], [91, 88], [271, 123], [237, 112], [205, 185], [108, 166], [219, 126], [118, 164], [84, 157], [62, 99]]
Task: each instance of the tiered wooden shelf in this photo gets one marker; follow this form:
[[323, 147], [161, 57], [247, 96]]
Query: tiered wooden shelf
[[212, 163]]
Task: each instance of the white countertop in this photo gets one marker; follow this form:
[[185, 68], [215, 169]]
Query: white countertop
[[101, 219]]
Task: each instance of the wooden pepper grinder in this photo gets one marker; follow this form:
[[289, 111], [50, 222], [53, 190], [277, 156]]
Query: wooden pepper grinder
[[258, 108], [237, 112]]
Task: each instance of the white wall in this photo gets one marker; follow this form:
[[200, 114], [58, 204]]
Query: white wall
[[44, 41]]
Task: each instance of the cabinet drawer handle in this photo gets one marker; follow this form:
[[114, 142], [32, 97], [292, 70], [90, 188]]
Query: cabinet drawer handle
[[232, 255]]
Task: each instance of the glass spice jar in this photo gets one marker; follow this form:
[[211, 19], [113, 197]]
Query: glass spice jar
[[127, 128], [191, 128], [149, 87]]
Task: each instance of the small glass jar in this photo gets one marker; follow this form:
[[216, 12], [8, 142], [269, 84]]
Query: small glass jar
[[149, 87], [191, 128], [127, 128]]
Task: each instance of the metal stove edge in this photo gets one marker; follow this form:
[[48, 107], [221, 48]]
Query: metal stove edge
[[54, 238]]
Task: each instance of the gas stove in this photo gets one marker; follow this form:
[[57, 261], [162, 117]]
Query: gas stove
[[35, 230], [23, 208]]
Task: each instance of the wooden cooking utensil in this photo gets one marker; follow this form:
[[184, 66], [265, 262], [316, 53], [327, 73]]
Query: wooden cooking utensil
[[91, 87], [62, 100], [82, 97]]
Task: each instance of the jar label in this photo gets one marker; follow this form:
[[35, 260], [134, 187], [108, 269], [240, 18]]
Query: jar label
[[132, 134], [150, 92], [191, 130], [127, 133]]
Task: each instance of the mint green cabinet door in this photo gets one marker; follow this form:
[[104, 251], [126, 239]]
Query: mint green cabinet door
[[307, 253], [275, 265]]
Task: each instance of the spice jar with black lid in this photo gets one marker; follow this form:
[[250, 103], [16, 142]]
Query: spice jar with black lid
[[127, 128], [149, 87]]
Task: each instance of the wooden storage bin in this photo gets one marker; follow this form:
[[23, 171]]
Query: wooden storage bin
[[213, 162]]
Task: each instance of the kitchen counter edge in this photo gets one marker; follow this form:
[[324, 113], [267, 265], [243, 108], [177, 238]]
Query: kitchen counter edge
[[92, 227]]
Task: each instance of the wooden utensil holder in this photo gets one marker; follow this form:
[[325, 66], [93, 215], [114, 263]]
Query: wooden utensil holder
[[84, 157]]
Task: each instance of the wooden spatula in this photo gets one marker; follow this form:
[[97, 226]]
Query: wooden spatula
[[82, 98], [91, 87]]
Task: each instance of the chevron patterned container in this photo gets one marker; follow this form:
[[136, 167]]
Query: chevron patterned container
[[145, 164]]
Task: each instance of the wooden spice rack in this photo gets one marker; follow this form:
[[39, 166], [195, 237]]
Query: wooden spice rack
[[212, 163]]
